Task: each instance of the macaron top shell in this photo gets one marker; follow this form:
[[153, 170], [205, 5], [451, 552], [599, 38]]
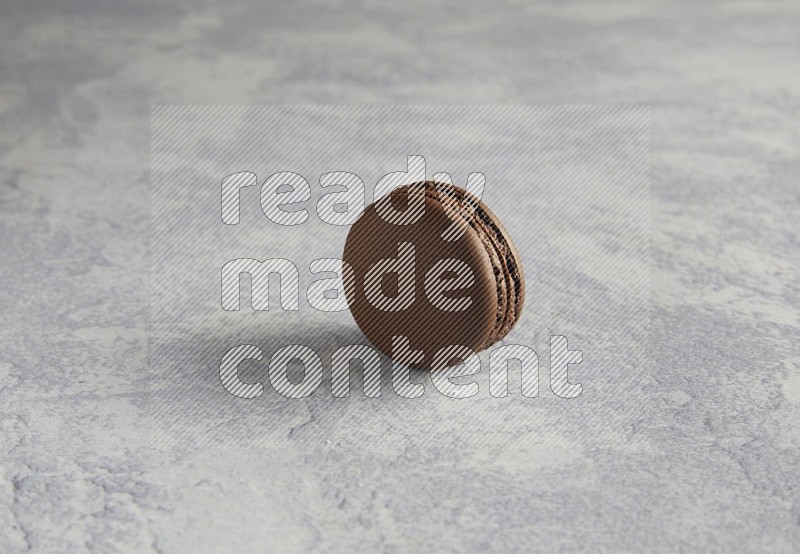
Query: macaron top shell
[[494, 295]]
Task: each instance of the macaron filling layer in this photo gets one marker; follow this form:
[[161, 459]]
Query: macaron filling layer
[[505, 267]]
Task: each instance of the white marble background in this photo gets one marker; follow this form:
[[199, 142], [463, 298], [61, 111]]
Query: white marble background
[[707, 461]]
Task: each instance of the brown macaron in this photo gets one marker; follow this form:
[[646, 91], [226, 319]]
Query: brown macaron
[[409, 280]]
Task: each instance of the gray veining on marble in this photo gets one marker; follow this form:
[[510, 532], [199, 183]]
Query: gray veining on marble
[[706, 458]]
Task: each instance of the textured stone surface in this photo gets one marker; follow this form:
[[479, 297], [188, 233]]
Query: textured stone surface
[[700, 454]]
